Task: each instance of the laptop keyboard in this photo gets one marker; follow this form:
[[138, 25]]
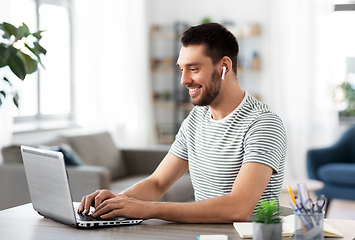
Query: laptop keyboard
[[86, 217]]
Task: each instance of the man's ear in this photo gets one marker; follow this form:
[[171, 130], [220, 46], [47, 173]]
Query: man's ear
[[223, 72], [226, 63]]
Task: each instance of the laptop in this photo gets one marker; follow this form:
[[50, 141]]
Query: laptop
[[48, 183]]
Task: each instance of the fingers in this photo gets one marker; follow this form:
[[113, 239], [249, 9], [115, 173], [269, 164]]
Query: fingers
[[94, 199], [105, 210], [121, 206], [86, 202]]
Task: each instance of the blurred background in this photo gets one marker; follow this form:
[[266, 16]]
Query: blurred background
[[110, 65]]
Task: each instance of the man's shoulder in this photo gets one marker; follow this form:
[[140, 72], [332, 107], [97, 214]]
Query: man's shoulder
[[254, 105], [198, 112], [254, 109]]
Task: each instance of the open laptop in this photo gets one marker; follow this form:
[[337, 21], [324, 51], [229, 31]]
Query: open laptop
[[50, 193]]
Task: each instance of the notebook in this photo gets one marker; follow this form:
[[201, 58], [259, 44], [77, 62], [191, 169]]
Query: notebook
[[48, 183]]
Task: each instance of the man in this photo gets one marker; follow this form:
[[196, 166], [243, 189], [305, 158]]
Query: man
[[233, 145]]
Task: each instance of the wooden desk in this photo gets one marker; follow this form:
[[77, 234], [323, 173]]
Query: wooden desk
[[24, 223]]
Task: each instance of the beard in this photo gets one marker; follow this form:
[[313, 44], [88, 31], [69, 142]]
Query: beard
[[210, 92]]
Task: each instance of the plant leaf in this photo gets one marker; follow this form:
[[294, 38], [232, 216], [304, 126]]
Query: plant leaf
[[6, 34], [30, 64], [38, 34], [15, 99], [33, 50], [4, 55], [11, 29], [7, 80], [268, 212], [3, 93], [17, 66], [23, 31], [36, 53], [39, 48]]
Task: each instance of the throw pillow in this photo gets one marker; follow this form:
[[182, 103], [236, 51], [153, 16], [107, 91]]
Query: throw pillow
[[70, 156]]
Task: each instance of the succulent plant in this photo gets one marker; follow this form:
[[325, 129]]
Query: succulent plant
[[268, 212]]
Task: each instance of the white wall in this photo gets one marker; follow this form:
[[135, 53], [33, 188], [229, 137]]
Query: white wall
[[193, 11]]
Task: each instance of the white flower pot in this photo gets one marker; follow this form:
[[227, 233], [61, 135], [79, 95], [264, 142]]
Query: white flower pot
[[263, 231]]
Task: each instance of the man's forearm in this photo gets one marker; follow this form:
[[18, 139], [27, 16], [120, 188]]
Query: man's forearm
[[154, 187], [147, 190], [223, 209]]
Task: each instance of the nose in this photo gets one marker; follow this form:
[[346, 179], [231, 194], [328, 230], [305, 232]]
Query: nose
[[185, 78]]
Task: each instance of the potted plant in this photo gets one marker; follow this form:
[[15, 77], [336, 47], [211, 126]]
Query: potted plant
[[349, 97], [267, 224], [21, 51]]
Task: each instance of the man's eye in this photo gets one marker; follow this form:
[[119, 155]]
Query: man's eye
[[193, 69]]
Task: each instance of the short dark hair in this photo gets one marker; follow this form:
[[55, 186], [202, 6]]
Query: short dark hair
[[218, 41]]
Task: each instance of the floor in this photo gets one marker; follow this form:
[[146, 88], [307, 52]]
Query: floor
[[341, 209]]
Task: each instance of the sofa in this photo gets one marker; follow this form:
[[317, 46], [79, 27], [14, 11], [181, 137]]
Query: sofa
[[93, 162], [335, 166]]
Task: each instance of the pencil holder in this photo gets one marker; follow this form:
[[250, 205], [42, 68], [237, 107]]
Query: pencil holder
[[309, 226]]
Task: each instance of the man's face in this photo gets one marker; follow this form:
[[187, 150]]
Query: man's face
[[199, 75]]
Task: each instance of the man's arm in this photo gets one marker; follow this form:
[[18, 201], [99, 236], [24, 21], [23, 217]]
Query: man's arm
[[155, 186], [235, 206], [150, 189]]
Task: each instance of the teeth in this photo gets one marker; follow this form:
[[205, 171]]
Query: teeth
[[193, 89]]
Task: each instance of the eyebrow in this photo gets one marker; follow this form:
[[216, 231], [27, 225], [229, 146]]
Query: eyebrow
[[189, 64]]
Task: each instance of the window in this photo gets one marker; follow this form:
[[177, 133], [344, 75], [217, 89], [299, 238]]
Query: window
[[47, 95], [343, 61]]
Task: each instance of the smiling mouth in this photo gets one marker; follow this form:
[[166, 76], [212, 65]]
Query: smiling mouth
[[193, 91]]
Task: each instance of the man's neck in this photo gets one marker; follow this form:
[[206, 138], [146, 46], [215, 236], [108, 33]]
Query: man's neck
[[230, 97]]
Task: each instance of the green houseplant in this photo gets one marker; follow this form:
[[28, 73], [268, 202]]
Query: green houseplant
[[267, 224], [349, 97], [21, 51]]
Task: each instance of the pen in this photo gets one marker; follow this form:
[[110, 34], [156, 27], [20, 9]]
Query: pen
[[304, 211], [292, 196], [304, 221], [302, 192]]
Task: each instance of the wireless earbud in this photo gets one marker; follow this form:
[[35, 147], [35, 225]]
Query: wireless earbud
[[224, 72]]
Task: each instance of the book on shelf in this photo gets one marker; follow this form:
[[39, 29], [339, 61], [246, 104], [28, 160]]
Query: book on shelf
[[245, 229]]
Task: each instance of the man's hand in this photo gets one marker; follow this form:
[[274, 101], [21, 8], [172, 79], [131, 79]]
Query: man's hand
[[137, 201], [123, 206], [94, 199]]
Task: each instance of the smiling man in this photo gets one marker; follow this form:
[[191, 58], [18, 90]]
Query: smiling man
[[233, 145]]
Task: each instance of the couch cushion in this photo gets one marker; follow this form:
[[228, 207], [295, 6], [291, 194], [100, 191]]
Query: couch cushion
[[180, 191], [11, 154], [338, 173], [126, 182], [54, 142], [70, 156], [99, 149]]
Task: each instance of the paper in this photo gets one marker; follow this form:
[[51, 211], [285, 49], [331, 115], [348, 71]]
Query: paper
[[213, 237], [245, 229]]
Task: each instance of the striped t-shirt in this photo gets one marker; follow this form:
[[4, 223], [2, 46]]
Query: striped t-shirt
[[216, 149]]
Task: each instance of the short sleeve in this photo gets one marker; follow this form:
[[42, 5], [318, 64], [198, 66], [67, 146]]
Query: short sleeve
[[265, 142], [179, 146]]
